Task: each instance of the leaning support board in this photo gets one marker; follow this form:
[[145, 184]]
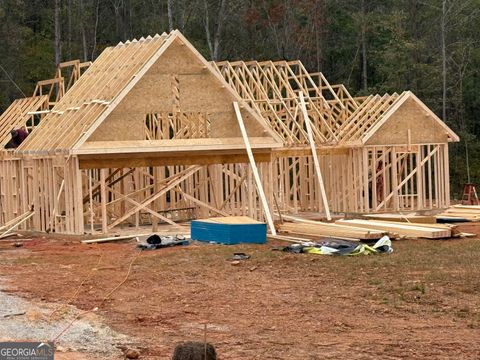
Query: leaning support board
[[403, 229], [314, 156], [229, 230], [253, 165]]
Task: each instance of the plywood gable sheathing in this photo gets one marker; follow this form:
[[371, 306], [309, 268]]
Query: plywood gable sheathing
[[178, 81], [409, 118], [394, 119], [117, 71]]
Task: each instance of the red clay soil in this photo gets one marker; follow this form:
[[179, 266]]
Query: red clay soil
[[419, 302]]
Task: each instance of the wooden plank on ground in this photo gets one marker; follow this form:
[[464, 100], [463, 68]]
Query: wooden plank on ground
[[403, 229], [112, 238], [408, 218], [469, 207], [462, 212]]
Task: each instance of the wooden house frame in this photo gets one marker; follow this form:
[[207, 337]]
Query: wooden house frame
[[151, 132], [378, 153]]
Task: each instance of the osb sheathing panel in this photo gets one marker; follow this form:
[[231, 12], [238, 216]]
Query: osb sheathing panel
[[178, 78], [410, 115], [120, 126]]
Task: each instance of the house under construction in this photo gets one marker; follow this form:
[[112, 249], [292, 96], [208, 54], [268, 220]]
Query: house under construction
[[151, 132]]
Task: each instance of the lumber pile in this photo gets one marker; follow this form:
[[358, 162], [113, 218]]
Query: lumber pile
[[461, 212], [410, 230], [408, 218], [317, 228]]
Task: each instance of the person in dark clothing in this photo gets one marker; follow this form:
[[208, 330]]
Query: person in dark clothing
[[13, 143], [10, 145], [22, 134], [18, 136]]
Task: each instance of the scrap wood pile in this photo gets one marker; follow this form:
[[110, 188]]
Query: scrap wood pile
[[460, 213], [340, 247], [6, 230], [337, 239]]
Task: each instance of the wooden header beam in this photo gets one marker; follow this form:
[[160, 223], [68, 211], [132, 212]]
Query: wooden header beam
[[162, 159]]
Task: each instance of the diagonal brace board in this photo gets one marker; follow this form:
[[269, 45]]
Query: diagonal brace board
[[136, 203], [198, 202], [315, 156], [189, 172], [253, 165]]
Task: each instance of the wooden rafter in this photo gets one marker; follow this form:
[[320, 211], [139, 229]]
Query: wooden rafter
[[21, 113]]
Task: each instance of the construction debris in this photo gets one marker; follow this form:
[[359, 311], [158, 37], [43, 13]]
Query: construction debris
[[240, 256], [6, 229], [158, 242], [113, 238], [341, 247], [360, 229]]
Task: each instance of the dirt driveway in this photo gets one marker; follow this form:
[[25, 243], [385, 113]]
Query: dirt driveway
[[420, 302]]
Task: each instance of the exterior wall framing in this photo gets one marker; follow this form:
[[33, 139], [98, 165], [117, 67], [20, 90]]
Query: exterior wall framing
[[67, 199]]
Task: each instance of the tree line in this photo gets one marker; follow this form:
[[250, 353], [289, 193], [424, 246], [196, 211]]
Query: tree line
[[372, 46]]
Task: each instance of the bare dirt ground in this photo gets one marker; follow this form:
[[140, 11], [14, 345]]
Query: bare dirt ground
[[420, 302]]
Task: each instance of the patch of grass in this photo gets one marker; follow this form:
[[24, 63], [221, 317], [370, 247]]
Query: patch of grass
[[375, 282], [28, 260], [420, 287], [463, 312]]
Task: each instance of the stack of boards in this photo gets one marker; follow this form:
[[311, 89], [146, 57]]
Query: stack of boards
[[229, 230], [370, 229], [461, 213], [316, 228], [402, 229], [408, 218]]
